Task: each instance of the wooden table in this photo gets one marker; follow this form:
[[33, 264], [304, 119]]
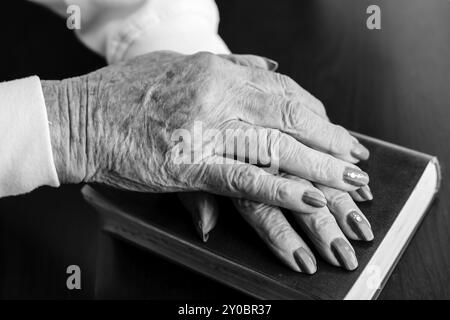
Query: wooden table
[[392, 83]]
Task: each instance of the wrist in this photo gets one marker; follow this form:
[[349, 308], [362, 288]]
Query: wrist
[[65, 102]]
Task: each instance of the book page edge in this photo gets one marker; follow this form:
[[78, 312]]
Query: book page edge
[[380, 265]]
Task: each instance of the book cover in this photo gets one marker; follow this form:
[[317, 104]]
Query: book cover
[[403, 182]]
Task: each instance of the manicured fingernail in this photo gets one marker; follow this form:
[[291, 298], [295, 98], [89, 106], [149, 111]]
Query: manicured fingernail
[[355, 177], [365, 193], [359, 151], [271, 64], [344, 254], [360, 226], [305, 261], [314, 199]]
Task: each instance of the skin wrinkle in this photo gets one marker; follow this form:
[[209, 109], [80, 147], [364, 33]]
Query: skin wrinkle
[[279, 190], [69, 116], [80, 131], [87, 124], [56, 94], [280, 233]]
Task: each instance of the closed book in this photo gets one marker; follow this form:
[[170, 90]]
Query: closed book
[[403, 181]]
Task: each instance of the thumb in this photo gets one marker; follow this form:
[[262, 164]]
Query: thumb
[[249, 60], [204, 210]]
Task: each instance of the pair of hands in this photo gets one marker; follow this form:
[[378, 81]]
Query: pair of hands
[[133, 126]]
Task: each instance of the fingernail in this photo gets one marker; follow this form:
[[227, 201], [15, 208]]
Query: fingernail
[[359, 151], [204, 236], [305, 261], [314, 199], [271, 64], [355, 177], [344, 254], [360, 226], [365, 193]]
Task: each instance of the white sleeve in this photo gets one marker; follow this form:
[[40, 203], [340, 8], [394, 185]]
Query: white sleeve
[[26, 158], [120, 29]]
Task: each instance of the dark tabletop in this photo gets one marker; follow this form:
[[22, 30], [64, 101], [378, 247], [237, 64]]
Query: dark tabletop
[[392, 83]]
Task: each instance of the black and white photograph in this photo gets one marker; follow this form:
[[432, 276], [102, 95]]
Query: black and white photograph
[[223, 155]]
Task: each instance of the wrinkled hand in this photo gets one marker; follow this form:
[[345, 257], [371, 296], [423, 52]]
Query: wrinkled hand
[[117, 125], [129, 125], [328, 229]]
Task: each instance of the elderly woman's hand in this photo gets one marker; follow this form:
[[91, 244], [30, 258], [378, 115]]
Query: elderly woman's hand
[[117, 126], [140, 125], [328, 229]]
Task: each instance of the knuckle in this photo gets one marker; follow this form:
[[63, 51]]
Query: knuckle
[[206, 59], [339, 138], [293, 90], [324, 169], [286, 83], [318, 106], [291, 151], [283, 192], [249, 206], [205, 78], [322, 222], [293, 115], [339, 198], [279, 233], [272, 139], [242, 179]]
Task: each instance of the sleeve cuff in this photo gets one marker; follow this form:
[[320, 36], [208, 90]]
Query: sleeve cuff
[[26, 158], [174, 36], [182, 26]]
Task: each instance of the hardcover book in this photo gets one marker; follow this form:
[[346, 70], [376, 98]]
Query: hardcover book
[[403, 181]]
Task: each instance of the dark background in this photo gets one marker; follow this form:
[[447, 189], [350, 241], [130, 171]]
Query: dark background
[[392, 83]]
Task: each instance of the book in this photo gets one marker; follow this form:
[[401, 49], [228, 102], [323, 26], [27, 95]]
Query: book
[[403, 181]]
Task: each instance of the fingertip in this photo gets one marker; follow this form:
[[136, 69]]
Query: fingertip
[[208, 213], [356, 196], [199, 228], [365, 193], [359, 151], [344, 254], [360, 226], [210, 221], [272, 65], [305, 261], [355, 177]]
